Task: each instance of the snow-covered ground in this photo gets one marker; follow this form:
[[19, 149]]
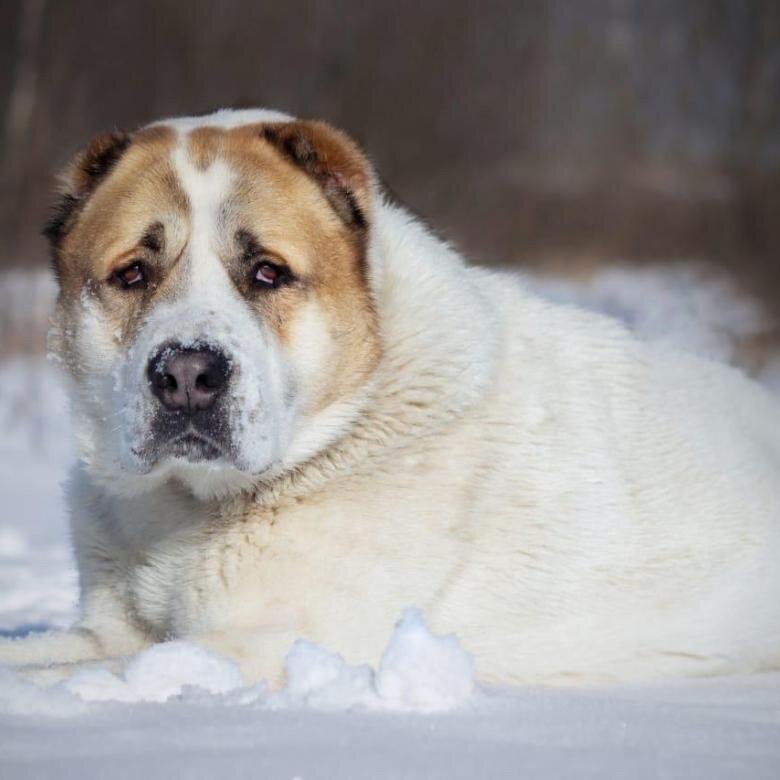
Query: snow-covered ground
[[177, 710]]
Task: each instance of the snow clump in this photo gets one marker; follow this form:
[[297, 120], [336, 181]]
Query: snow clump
[[419, 671]]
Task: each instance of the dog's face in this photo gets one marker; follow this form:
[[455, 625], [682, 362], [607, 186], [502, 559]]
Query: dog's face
[[215, 311]]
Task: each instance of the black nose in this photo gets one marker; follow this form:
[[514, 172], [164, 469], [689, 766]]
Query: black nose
[[187, 379]]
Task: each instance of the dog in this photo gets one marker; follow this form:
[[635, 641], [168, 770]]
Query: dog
[[299, 411]]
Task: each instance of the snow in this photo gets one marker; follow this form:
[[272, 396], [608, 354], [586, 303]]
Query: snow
[[158, 673], [177, 709], [418, 672], [421, 671]]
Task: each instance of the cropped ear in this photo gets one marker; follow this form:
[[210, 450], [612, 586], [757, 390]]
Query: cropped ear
[[79, 180], [333, 160]]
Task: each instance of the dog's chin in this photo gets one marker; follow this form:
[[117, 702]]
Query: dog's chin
[[199, 463], [209, 479]]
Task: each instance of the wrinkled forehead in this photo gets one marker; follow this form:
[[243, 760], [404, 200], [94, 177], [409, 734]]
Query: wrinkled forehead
[[216, 180]]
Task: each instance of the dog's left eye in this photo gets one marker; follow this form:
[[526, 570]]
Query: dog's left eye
[[132, 276], [267, 274]]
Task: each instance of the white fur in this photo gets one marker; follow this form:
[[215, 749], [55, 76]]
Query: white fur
[[575, 504]]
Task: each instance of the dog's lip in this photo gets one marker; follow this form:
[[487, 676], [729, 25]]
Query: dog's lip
[[193, 435], [211, 449]]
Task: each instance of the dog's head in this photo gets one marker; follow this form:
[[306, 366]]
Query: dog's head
[[215, 308]]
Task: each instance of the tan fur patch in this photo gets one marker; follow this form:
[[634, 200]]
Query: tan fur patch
[[295, 220], [280, 204]]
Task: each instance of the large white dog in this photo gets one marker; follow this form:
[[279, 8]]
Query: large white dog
[[300, 412]]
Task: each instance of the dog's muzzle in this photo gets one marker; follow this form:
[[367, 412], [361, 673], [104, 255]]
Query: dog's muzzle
[[190, 383]]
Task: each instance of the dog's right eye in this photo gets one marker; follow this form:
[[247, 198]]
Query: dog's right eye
[[132, 276]]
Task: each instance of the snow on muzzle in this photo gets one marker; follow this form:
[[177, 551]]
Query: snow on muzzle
[[198, 397], [190, 382]]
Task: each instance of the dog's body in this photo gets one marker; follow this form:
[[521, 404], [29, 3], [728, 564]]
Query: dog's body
[[575, 504]]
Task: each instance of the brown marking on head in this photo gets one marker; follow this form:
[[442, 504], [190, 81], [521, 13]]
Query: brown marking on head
[[116, 213], [203, 145], [301, 190], [332, 160], [80, 179], [305, 197], [121, 211]]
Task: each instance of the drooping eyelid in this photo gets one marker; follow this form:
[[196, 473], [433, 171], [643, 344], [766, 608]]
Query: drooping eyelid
[[149, 245], [115, 278], [123, 261], [138, 254]]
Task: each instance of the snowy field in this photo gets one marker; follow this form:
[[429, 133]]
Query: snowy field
[[178, 711]]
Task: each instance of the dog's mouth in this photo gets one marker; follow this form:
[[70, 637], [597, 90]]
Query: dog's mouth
[[192, 445], [194, 437]]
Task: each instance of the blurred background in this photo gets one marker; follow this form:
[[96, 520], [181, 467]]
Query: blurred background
[[551, 135]]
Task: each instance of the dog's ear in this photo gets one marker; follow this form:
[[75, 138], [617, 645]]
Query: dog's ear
[[79, 180], [334, 161]]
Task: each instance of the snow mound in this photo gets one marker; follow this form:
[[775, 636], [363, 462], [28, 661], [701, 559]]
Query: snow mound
[[157, 674], [422, 671], [419, 671]]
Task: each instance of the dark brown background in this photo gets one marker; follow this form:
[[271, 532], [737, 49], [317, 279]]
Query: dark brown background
[[564, 133]]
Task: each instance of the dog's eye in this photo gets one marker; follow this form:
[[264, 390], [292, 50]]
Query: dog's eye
[[267, 274], [132, 276]]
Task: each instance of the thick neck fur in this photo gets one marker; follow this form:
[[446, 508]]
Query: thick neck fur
[[436, 360]]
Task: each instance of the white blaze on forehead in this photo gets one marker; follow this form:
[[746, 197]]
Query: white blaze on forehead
[[207, 191]]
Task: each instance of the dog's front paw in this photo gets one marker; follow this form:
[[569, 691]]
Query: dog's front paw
[[50, 647]]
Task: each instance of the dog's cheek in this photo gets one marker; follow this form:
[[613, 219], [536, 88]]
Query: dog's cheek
[[308, 350], [96, 344], [258, 407], [93, 356]]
